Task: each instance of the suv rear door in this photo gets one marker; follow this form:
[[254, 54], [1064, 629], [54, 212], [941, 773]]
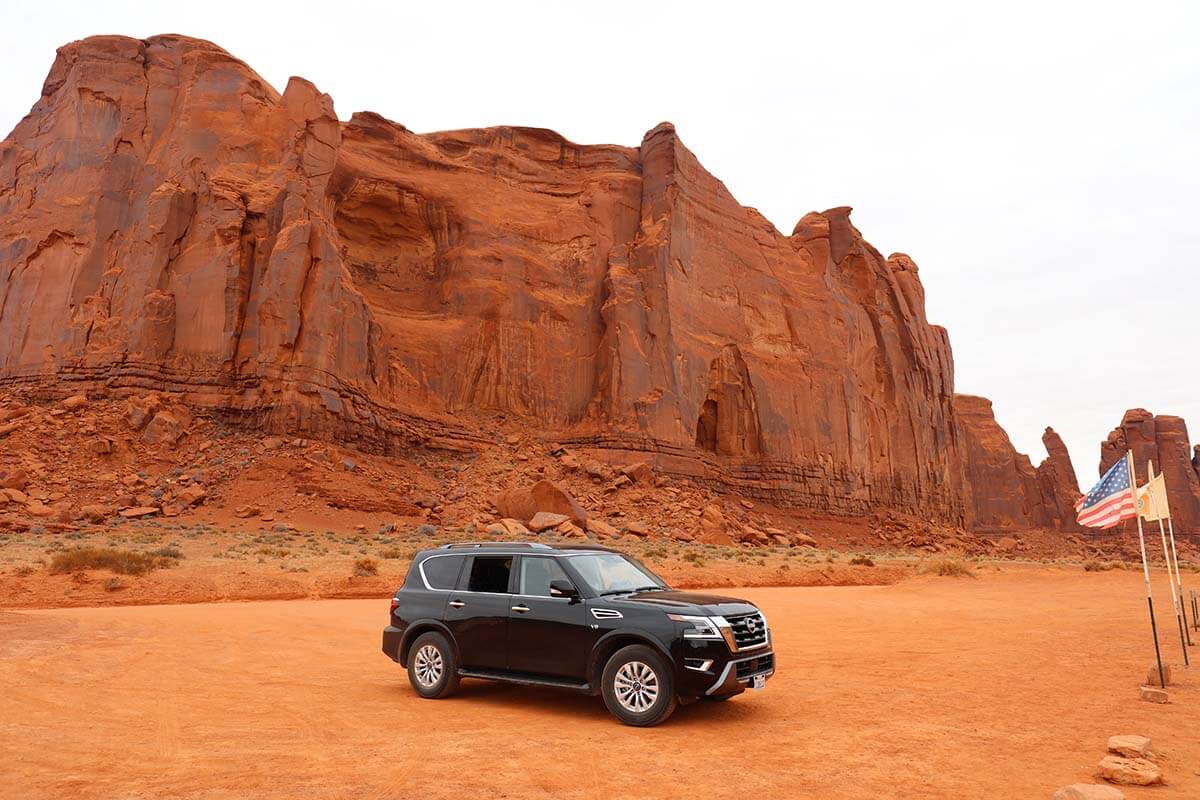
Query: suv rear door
[[547, 635], [478, 609]]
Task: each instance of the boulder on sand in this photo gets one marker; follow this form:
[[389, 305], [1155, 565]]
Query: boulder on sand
[[1130, 746], [544, 495], [1132, 771], [544, 520]]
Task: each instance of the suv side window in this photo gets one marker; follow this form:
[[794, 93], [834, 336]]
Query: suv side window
[[441, 572], [490, 574], [536, 572]]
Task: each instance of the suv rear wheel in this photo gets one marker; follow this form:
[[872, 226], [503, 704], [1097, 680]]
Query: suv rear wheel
[[432, 669], [638, 686]]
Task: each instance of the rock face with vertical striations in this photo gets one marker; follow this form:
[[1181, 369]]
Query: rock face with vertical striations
[[1163, 440], [1059, 483], [169, 221]]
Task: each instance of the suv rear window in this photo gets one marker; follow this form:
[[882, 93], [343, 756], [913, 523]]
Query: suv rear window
[[490, 574], [441, 572]]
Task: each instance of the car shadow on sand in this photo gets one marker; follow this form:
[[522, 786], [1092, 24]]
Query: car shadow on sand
[[566, 703]]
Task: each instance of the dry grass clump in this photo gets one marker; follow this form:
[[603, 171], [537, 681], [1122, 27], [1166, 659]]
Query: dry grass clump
[[1094, 565], [391, 552], [365, 567], [862, 561], [122, 562], [948, 568]]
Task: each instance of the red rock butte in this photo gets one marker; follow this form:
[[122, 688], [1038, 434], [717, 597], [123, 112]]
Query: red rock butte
[[170, 222]]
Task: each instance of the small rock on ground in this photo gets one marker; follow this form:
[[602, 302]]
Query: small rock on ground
[[1132, 771], [1152, 694], [1152, 675], [543, 520], [1130, 746], [1089, 791]]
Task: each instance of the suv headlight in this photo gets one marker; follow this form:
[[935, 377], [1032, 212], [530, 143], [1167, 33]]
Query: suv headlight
[[699, 627]]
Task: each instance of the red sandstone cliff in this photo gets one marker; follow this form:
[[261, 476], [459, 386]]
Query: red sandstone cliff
[[169, 221], [1005, 490], [1164, 440]]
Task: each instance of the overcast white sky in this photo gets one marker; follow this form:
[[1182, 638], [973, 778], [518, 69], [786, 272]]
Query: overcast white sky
[[1040, 161]]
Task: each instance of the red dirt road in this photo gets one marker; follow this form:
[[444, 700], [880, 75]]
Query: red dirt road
[[1004, 686]]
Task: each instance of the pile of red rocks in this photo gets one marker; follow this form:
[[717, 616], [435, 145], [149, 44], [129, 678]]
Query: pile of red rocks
[[1131, 761]]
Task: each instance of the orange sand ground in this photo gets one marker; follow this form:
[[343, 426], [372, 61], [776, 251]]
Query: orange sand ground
[[1006, 685]]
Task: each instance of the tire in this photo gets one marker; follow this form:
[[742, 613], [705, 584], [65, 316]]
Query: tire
[[639, 686], [432, 668]]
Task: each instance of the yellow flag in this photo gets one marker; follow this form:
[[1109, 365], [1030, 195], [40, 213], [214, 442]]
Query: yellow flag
[[1152, 499]]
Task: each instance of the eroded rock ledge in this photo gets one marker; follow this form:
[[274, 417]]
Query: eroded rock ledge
[[169, 221]]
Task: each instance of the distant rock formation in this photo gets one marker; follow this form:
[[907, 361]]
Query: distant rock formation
[[1005, 489], [168, 221], [1060, 485], [1164, 440]]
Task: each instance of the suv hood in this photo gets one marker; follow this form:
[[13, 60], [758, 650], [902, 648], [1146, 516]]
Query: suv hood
[[697, 603]]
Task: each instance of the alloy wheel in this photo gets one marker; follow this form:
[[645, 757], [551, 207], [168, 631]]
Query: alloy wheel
[[428, 665], [636, 686]]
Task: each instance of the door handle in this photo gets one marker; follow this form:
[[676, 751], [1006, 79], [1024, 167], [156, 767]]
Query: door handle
[[520, 609], [457, 604]]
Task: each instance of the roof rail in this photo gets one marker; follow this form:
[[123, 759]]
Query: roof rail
[[599, 547], [530, 545]]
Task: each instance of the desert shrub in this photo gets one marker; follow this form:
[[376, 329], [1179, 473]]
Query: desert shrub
[[948, 568], [1093, 565], [122, 562], [391, 552], [23, 571], [862, 561], [167, 552], [113, 584], [365, 567]]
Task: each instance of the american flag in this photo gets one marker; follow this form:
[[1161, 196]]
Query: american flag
[[1109, 501]]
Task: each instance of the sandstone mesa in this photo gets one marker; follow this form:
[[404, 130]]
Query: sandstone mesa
[[170, 222]]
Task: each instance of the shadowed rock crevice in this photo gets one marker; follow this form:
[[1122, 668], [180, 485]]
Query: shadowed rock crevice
[[728, 423]]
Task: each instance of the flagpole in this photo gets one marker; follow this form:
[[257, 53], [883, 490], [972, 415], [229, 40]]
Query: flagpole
[[1162, 678], [1179, 579], [1162, 532]]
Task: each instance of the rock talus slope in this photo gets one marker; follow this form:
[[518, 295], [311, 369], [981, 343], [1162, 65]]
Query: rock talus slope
[[169, 221]]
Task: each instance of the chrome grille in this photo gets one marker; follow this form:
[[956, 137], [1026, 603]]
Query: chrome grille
[[749, 630]]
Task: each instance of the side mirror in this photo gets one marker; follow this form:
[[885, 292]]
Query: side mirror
[[561, 588]]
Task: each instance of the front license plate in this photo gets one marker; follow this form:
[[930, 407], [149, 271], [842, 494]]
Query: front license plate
[[758, 682]]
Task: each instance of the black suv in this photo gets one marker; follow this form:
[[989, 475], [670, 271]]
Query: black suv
[[580, 617]]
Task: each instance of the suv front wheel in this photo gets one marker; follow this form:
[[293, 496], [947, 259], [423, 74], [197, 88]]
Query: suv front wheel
[[638, 686], [432, 669]]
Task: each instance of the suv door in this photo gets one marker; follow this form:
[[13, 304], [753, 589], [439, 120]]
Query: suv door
[[547, 635], [477, 612]]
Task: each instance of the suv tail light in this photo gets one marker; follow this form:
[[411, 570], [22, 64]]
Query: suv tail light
[[395, 603]]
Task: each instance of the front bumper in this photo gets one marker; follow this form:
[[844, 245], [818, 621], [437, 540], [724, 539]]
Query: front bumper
[[740, 671], [392, 636], [709, 668]]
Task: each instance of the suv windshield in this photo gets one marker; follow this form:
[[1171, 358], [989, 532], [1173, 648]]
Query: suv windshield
[[612, 573]]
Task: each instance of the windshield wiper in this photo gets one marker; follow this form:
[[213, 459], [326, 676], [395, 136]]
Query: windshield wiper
[[631, 591]]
